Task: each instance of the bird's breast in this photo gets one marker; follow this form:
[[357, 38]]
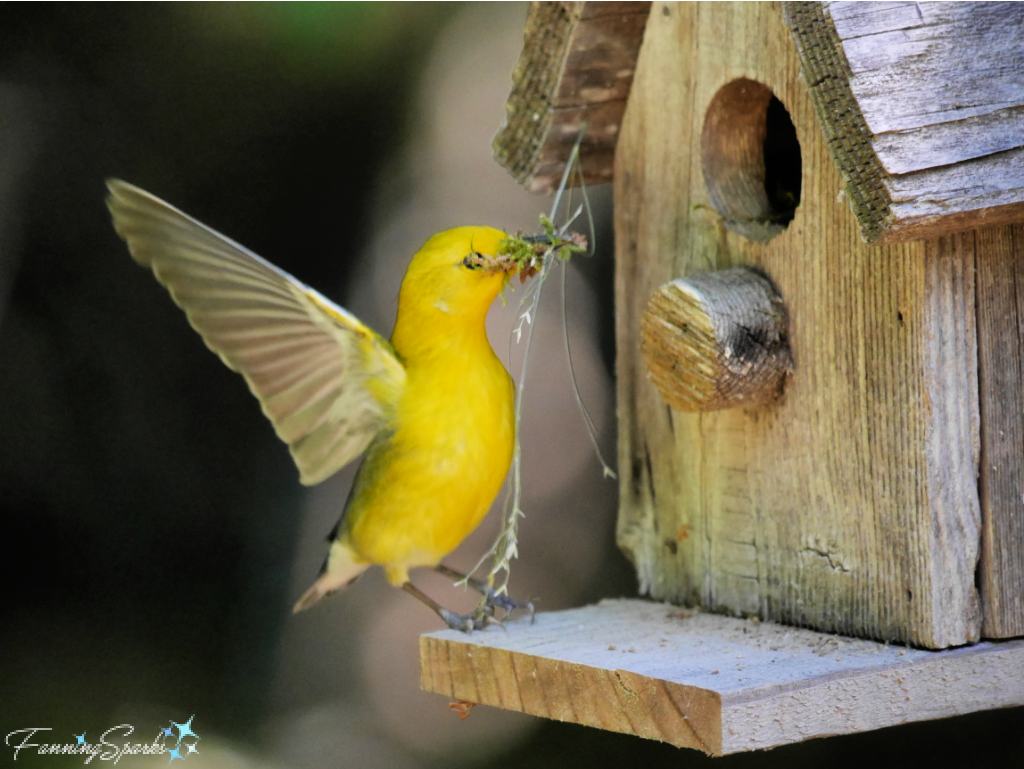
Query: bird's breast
[[464, 411], [433, 480]]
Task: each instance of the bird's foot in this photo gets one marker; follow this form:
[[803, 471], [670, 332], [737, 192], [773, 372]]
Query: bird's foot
[[467, 623], [492, 599]]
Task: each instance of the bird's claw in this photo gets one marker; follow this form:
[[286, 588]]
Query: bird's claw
[[507, 605], [500, 601], [467, 623], [491, 600], [530, 608]]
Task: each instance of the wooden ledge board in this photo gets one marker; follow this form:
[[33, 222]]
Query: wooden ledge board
[[719, 684]]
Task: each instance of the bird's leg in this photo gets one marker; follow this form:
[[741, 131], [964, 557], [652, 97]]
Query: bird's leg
[[492, 598], [467, 623]]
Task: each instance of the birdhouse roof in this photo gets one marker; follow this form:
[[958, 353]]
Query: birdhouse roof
[[921, 104]]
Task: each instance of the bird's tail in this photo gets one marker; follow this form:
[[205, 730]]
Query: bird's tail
[[342, 569]]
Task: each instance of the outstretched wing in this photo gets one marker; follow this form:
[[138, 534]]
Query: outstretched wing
[[327, 382]]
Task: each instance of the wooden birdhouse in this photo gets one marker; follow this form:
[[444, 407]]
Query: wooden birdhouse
[[819, 218]]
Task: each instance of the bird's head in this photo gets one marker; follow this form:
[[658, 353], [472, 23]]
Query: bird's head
[[458, 271]]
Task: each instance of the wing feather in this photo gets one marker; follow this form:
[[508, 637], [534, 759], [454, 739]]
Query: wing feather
[[327, 382]]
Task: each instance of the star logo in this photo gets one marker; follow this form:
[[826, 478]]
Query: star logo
[[174, 754], [192, 748], [184, 730], [80, 738], [167, 731]]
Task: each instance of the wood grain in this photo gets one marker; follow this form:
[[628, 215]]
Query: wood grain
[[716, 340], [713, 683], [953, 438], [576, 67], [851, 504], [922, 106], [1000, 284]]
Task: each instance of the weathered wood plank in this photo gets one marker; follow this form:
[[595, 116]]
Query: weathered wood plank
[[717, 684], [576, 67], [953, 437], [850, 505], [922, 105], [1001, 377]]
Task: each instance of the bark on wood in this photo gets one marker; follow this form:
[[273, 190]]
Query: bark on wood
[[717, 684], [922, 107], [851, 504], [716, 340], [576, 67]]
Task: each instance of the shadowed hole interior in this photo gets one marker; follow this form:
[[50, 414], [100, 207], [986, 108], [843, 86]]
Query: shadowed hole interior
[[750, 156]]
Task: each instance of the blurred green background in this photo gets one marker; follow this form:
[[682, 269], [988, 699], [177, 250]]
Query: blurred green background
[[155, 534]]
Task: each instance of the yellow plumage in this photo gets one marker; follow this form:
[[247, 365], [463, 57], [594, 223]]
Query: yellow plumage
[[429, 479], [433, 409]]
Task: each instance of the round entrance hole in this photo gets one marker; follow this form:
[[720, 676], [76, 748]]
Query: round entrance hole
[[751, 160]]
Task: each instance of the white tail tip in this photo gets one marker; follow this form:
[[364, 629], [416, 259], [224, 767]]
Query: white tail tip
[[342, 571]]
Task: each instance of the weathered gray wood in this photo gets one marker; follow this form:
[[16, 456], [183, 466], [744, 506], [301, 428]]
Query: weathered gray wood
[[717, 684], [952, 439], [851, 503], [922, 105], [1000, 270], [576, 67]]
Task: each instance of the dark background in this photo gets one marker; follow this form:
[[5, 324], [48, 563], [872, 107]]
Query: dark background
[[154, 530]]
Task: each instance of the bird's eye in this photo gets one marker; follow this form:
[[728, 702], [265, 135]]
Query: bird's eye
[[473, 262]]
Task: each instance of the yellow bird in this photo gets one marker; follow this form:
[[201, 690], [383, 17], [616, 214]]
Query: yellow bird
[[432, 409]]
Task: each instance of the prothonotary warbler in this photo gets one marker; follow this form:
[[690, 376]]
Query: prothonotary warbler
[[432, 409]]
